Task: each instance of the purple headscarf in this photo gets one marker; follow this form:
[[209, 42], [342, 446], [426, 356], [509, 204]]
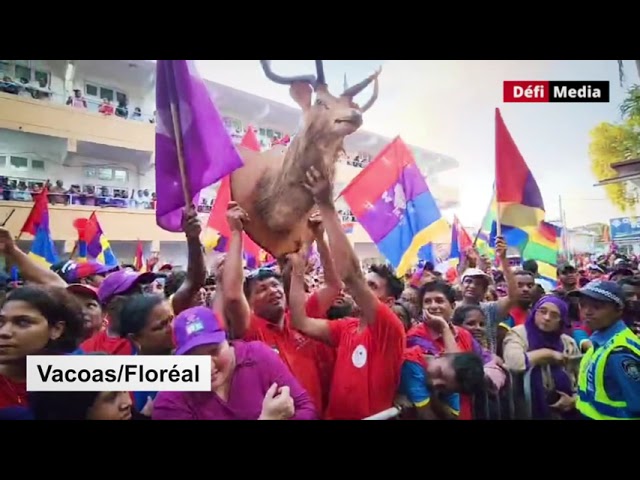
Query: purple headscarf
[[538, 339]]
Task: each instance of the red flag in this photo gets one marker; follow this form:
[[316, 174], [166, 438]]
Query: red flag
[[464, 239], [138, 261], [217, 218], [514, 181], [39, 212]]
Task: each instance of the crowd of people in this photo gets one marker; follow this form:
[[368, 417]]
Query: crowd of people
[[293, 340], [21, 190]]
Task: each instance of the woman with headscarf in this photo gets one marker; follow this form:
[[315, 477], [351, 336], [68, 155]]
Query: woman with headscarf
[[542, 346]]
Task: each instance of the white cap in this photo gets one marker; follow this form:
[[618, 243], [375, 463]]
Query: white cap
[[474, 272]]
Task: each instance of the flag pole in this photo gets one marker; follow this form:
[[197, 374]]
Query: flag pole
[[475, 240], [495, 161], [74, 250], [175, 117], [8, 217]]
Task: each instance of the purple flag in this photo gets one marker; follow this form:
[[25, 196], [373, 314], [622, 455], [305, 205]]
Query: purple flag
[[208, 150]]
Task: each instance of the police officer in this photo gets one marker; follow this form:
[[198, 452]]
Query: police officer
[[609, 379]]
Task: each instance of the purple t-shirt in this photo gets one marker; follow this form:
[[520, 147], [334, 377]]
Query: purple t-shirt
[[257, 368]]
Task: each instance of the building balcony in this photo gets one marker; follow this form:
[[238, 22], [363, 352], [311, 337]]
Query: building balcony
[[52, 118], [118, 224]]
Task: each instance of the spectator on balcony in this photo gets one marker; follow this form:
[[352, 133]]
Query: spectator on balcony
[[76, 196], [77, 100], [9, 86], [146, 195], [21, 193], [137, 114], [205, 205], [141, 199], [6, 188], [58, 194], [122, 110], [106, 108]]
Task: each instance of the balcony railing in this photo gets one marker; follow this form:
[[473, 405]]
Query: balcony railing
[[49, 115]]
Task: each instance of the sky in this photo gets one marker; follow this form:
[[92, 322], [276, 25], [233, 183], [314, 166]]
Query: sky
[[448, 106]]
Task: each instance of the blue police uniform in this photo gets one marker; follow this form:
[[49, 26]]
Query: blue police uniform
[[609, 379]]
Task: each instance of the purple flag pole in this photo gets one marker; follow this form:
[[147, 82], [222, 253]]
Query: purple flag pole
[[193, 148], [175, 118]]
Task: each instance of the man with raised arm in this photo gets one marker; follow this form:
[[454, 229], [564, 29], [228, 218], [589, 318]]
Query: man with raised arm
[[369, 349], [256, 309]]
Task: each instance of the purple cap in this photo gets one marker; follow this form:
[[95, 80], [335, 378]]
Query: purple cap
[[79, 270], [119, 282], [194, 327]]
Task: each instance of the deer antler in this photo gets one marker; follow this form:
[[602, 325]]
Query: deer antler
[[354, 90], [313, 80], [373, 98]]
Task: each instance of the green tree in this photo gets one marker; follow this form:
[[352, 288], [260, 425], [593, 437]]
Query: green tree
[[612, 143]]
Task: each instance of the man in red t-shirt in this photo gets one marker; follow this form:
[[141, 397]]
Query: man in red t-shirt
[[112, 293], [369, 349], [256, 309]]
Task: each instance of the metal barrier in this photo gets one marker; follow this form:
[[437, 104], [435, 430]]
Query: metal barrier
[[513, 402], [388, 414]]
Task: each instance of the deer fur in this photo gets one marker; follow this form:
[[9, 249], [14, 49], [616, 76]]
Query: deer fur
[[270, 185]]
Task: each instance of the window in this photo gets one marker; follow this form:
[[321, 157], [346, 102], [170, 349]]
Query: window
[[110, 93], [120, 175], [105, 174], [19, 163], [106, 93], [3, 161], [37, 164], [91, 90], [269, 133], [121, 98], [23, 72], [90, 172], [20, 70], [42, 78]]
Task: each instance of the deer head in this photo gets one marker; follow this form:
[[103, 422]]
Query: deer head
[[329, 117]]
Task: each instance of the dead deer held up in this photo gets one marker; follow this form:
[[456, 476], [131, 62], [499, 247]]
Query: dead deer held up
[[270, 184]]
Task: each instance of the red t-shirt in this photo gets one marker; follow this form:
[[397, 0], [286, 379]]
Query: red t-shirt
[[106, 109], [464, 341], [296, 350], [368, 365], [326, 355], [12, 393], [102, 342]]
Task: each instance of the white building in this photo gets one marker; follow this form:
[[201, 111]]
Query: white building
[[42, 138]]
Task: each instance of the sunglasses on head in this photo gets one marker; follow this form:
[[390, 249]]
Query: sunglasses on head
[[262, 272]]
